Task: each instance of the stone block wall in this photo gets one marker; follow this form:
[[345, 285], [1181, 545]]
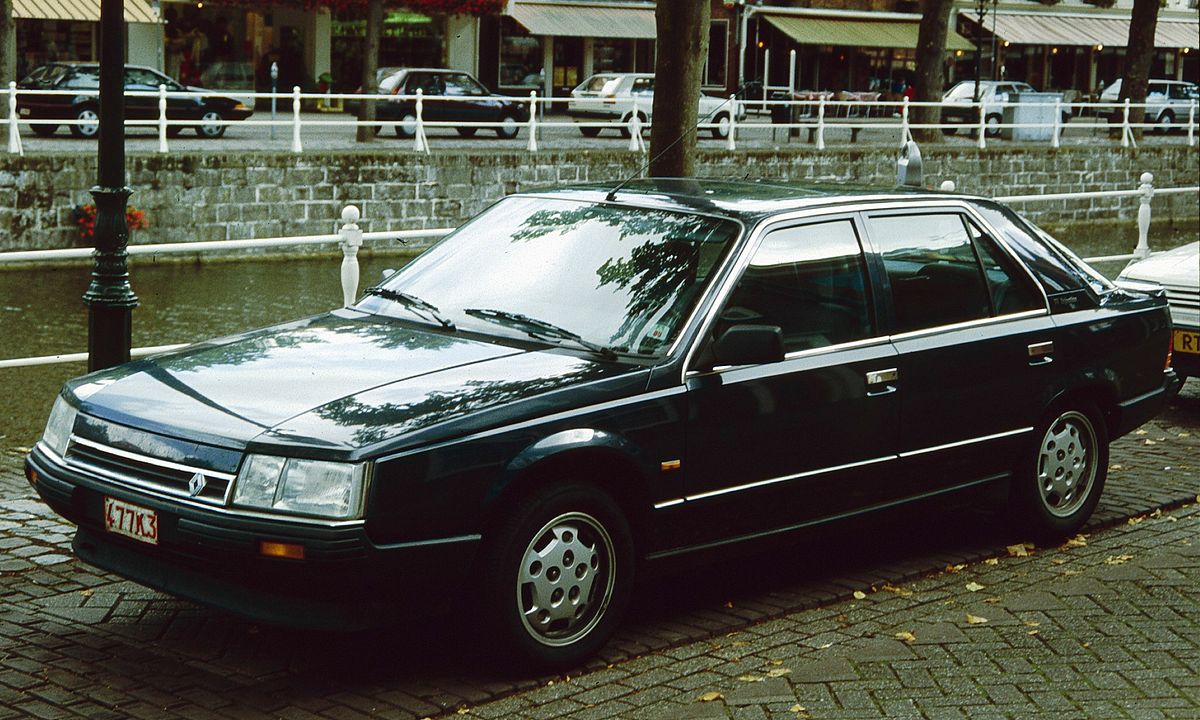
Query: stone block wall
[[219, 196]]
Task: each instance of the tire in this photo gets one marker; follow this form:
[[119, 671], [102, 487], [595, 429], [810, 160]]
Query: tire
[[44, 130], [87, 122], [1164, 122], [625, 123], [174, 130], [406, 127], [210, 127], [949, 130], [509, 127], [992, 124], [565, 547], [587, 131], [721, 130], [1062, 476], [466, 131]]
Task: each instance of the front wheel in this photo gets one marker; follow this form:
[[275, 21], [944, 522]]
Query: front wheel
[[87, 122], [1165, 121], [509, 127], [210, 126], [992, 124], [407, 127], [1060, 482], [558, 575], [720, 130], [589, 131]]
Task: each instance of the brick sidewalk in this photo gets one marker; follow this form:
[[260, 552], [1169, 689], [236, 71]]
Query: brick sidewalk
[[78, 643]]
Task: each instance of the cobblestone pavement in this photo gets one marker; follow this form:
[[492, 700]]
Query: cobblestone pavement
[[947, 625]]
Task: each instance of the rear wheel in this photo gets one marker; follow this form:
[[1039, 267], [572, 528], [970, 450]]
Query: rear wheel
[[210, 125], [558, 575], [1165, 121], [721, 128], [1062, 477], [87, 122], [466, 131], [625, 123], [992, 124], [588, 131], [44, 130]]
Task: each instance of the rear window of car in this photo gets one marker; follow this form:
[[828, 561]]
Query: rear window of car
[[83, 79], [47, 75]]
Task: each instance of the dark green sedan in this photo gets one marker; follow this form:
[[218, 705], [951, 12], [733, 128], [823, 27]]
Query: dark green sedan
[[581, 382]]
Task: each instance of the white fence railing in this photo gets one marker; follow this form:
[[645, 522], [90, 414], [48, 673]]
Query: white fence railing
[[350, 238], [415, 115]]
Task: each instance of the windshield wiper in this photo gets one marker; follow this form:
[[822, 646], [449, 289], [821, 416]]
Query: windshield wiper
[[539, 329], [414, 303]]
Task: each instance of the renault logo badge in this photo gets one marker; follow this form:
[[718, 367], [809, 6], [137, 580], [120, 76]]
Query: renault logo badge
[[196, 484]]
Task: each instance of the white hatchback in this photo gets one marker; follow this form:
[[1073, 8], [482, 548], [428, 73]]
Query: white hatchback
[[607, 97]]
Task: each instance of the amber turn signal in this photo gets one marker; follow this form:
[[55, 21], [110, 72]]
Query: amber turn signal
[[289, 551]]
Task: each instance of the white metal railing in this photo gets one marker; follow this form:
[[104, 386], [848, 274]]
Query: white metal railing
[[815, 112], [350, 238]]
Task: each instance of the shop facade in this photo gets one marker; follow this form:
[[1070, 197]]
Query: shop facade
[[49, 31]]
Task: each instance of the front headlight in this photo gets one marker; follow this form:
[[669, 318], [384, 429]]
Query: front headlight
[[301, 487], [59, 426]]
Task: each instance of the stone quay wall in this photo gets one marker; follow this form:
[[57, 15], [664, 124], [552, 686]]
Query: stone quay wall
[[231, 196]]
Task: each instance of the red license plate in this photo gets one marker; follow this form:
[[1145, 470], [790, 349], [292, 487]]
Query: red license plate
[[131, 520]]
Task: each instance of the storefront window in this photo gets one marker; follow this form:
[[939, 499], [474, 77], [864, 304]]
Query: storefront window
[[409, 39], [613, 55], [718, 53], [520, 57]]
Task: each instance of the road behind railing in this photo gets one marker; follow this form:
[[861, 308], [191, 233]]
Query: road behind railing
[[633, 116], [350, 238]]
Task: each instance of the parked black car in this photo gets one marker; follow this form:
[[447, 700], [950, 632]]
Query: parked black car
[[471, 103], [580, 382], [82, 112]]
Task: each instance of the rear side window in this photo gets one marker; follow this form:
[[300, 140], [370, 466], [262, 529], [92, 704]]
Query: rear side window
[[1049, 267], [932, 268], [810, 281], [1010, 288], [83, 79]]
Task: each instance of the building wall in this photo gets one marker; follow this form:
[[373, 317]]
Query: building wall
[[214, 196]]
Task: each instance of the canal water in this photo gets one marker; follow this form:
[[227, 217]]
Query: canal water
[[41, 312]]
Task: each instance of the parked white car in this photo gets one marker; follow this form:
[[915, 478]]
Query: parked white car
[[1168, 102], [959, 104], [608, 97], [1178, 272]]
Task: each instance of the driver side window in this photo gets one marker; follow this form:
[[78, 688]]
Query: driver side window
[[811, 282]]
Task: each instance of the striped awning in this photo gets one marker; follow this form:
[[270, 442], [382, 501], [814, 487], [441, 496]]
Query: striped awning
[[1067, 30], [857, 32], [567, 19], [136, 11]]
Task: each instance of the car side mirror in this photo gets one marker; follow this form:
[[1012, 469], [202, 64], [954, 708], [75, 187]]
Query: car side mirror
[[749, 345]]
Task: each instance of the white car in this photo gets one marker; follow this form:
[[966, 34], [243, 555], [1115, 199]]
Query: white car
[[609, 97], [959, 104], [1178, 272], [1168, 102]]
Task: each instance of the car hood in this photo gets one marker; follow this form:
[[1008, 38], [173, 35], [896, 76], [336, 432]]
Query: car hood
[[1179, 266], [342, 381]]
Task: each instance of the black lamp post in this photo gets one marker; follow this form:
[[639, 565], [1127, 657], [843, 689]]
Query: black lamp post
[[109, 297]]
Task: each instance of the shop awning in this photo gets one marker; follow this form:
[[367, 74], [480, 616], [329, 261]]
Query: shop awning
[[136, 11], [857, 32], [585, 20], [1067, 30]]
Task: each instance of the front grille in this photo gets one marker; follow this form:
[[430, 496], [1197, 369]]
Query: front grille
[[1183, 297], [147, 473]]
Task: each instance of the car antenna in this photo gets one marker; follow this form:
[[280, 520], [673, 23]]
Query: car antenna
[[612, 194]]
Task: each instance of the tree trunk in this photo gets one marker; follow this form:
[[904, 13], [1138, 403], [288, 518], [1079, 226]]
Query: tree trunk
[[8, 44], [1137, 59], [366, 110], [682, 47], [931, 58]]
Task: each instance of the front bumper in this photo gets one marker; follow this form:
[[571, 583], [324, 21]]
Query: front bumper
[[345, 581]]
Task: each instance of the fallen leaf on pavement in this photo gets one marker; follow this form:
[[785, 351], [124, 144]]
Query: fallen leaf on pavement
[[860, 595], [776, 662], [1034, 632], [906, 637], [974, 587], [1116, 466], [750, 678], [1148, 441], [1134, 520], [1157, 513], [778, 672], [1017, 551], [975, 619], [1076, 542], [1032, 623], [710, 696], [902, 592], [1140, 432], [992, 561], [955, 568], [1059, 561], [1117, 559]]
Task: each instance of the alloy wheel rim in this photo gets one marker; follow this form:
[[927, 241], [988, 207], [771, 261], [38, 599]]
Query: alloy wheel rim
[[408, 123], [1066, 464], [209, 123], [509, 125], [566, 579], [89, 122]]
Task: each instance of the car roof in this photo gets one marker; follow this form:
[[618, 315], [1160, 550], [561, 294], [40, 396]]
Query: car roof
[[745, 200]]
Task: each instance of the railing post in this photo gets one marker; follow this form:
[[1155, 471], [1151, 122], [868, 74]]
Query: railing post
[[1192, 125], [636, 144], [730, 143], [982, 127], [1126, 132], [14, 128], [905, 133], [947, 186], [296, 148], [351, 241], [162, 118], [1055, 138], [821, 123], [420, 144], [791, 74], [532, 147], [1147, 190]]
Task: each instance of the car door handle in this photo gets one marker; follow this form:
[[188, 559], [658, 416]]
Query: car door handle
[[882, 382], [1041, 353]]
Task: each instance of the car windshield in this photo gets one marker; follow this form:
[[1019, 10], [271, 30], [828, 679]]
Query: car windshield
[[596, 83], [963, 91], [619, 278], [47, 74]]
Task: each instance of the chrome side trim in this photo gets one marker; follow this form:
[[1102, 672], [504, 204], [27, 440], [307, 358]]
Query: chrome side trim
[[668, 503], [150, 460], [786, 478], [967, 324], [962, 443]]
